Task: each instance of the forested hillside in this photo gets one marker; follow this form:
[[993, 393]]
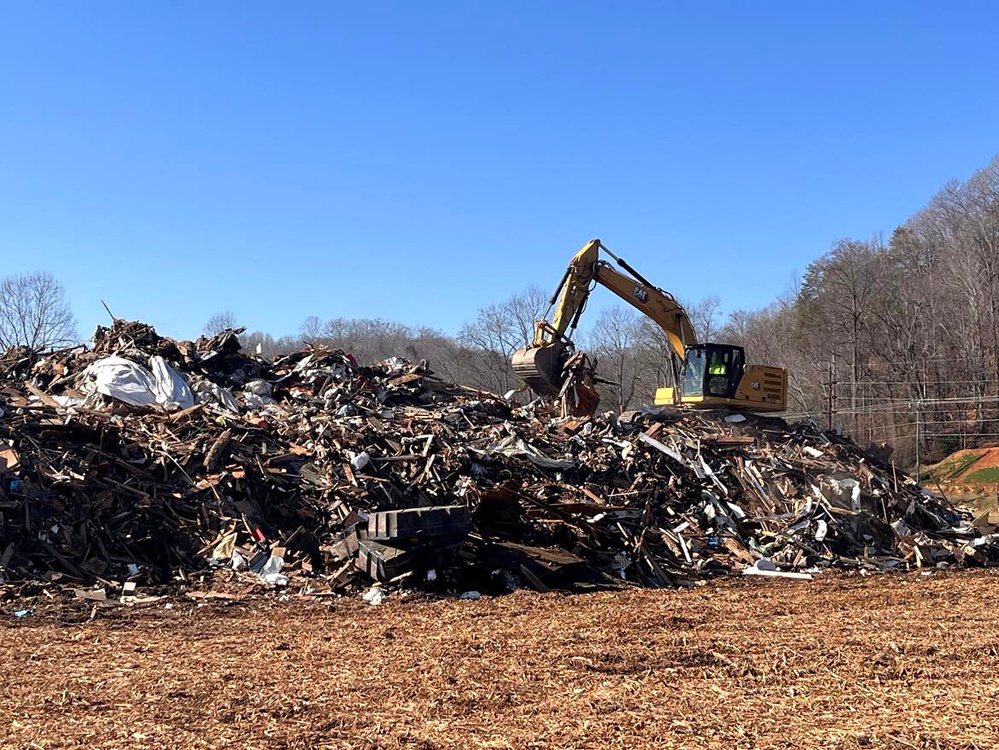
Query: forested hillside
[[897, 340]]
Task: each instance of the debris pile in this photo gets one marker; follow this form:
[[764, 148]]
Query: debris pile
[[150, 459]]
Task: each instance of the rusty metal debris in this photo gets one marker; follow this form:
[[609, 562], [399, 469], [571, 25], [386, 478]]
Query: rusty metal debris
[[314, 472]]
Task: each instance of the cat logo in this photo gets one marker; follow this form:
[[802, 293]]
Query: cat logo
[[642, 295]]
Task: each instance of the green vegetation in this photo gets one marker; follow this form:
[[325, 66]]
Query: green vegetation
[[984, 476], [956, 465]]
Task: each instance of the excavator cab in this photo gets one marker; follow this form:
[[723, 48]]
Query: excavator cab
[[712, 370], [716, 376]]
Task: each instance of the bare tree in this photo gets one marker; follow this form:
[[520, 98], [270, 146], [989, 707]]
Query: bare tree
[[220, 321], [35, 313], [703, 316], [312, 329], [614, 342], [898, 341], [265, 345], [837, 307], [497, 331], [523, 309], [370, 340]]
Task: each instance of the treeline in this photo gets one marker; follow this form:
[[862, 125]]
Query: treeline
[[632, 352], [478, 355], [897, 341]]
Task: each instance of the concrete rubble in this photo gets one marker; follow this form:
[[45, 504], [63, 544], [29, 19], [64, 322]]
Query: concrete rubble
[[160, 461]]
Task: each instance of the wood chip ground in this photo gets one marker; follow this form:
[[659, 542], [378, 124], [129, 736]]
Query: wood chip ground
[[844, 661]]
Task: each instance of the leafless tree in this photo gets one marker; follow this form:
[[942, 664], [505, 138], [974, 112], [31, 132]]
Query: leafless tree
[[837, 304], [259, 342], [614, 342], [220, 321], [898, 340], [704, 315], [497, 331], [312, 329], [35, 313], [371, 340]]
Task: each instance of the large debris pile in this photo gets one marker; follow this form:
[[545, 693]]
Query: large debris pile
[[150, 459]]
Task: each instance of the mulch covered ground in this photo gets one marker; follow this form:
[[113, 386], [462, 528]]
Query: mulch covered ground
[[839, 662]]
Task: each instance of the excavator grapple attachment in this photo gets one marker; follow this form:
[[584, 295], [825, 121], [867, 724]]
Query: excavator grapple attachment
[[579, 394], [540, 367]]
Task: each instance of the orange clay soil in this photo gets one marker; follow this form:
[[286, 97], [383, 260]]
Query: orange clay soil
[[966, 474], [989, 459], [905, 661]]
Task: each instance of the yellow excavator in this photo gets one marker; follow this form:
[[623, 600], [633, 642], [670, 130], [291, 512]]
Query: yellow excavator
[[712, 376]]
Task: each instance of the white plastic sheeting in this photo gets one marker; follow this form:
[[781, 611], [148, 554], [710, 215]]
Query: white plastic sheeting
[[171, 387], [133, 384], [210, 393], [257, 394]]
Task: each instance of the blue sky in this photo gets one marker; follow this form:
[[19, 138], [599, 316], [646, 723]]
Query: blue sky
[[415, 161]]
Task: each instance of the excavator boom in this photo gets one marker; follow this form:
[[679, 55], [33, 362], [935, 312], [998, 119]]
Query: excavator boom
[[540, 365]]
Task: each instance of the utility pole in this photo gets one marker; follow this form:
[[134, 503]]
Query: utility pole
[[831, 399], [917, 442]]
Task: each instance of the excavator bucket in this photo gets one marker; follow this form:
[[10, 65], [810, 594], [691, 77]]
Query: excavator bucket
[[550, 373], [540, 367]]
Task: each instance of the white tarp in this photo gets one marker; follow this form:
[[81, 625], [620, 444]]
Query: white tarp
[[171, 387], [210, 393], [133, 384]]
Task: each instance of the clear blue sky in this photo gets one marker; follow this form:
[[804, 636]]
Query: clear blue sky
[[415, 160]]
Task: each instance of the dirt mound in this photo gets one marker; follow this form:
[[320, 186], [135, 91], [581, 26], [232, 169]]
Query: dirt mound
[[969, 473]]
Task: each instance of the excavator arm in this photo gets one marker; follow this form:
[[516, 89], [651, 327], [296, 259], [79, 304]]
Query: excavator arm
[[540, 365]]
